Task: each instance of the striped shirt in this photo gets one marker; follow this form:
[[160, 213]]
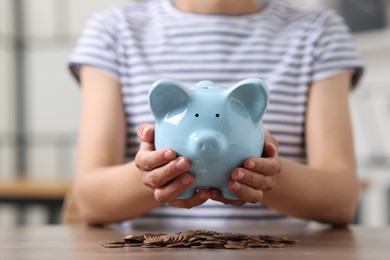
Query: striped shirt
[[139, 43]]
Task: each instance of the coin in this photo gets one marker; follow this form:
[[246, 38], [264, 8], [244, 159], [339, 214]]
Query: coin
[[113, 245], [199, 247], [234, 246], [153, 241], [276, 245], [132, 244], [178, 244], [201, 239], [134, 238]]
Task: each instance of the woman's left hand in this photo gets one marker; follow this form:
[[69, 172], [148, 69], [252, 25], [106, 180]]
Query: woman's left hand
[[257, 175]]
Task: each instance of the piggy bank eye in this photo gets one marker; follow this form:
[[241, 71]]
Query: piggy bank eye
[[196, 115], [216, 115]]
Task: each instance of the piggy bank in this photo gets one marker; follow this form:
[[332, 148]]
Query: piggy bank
[[215, 128]]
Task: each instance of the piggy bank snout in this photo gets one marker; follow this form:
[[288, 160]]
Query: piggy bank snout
[[208, 144]]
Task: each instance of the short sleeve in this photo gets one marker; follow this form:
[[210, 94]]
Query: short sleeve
[[97, 45], [335, 50]]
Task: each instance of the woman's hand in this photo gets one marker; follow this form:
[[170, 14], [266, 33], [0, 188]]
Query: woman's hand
[[257, 175], [165, 173]]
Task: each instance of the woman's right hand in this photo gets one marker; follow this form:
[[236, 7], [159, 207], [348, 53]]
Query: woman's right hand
[[165, 173]]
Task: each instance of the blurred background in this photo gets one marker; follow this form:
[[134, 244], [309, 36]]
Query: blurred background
[[40, 104]]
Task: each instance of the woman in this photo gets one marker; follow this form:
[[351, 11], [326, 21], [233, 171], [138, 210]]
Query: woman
[[307, 170]]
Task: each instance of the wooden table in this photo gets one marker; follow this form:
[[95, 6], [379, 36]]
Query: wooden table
[[80, 242]]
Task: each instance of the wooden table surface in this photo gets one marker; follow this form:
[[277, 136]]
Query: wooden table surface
[[80, 242]]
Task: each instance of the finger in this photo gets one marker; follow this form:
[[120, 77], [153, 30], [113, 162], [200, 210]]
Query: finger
[[145, 146], [271, 145], [160, 176], [216, 195], [270, 150], [200, 197], [145, 133], [147, 160], [245, 192], [265, 166], [173, 189], [254, 179]]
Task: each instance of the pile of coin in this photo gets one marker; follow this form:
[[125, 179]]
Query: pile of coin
[[200, 239]]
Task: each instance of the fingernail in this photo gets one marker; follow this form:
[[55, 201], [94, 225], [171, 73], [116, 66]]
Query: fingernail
[[240, 175], [144, 131], [169, 155], [250, 165], [236, 186], [203, 196], [181, 164], [273, 146], [186, 180]]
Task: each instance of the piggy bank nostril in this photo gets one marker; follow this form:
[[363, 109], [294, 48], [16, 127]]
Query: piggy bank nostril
[[207, 146]]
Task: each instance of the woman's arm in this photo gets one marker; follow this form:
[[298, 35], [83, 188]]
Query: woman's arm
[[327, 188], [106, 189]]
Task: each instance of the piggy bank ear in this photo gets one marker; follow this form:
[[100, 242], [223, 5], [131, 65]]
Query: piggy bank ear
[[168, 98], [249, 96]]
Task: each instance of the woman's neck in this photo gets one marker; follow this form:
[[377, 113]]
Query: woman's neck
[[224, 7]]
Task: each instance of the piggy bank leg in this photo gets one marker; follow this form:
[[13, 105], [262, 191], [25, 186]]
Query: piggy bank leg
[[227, 194], [188, 193]]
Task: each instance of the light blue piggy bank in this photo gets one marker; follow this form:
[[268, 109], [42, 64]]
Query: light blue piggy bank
[[215, 128]]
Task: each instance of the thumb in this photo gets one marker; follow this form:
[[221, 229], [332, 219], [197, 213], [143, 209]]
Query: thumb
[[146, 133]]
